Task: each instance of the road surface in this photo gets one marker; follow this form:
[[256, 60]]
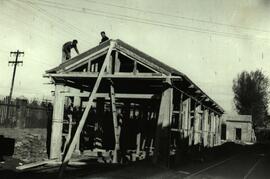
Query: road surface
[[249, 163]]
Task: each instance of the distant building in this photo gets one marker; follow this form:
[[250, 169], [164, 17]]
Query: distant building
[[237, 128]]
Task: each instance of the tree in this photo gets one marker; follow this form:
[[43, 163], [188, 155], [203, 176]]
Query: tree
[[251, 95]]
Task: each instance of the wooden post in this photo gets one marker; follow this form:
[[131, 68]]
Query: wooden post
[[186, 116], [138, 144], [117, 63], [69, 132], [57, 123], [180, 123], [116, 128], [162, 144], [89, 66], [21, 113], [217, 130], [212, 129], [86, 111], [77, 103], [205, 127], [197, 124], [135, 68]]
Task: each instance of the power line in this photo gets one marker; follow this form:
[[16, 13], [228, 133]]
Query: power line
[[194, 29], [37, 31], [70, 32], [178, 16], [62, 21], [15, 63], [145, 21]]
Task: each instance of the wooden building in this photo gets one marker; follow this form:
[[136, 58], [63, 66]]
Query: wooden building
[[129, 105]]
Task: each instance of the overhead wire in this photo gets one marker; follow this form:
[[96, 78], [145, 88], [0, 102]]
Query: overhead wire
[[62, 22], [38, 61], [178, 16], [68, 31], [141, 20]]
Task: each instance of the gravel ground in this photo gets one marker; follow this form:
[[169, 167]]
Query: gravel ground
[[30, 144]]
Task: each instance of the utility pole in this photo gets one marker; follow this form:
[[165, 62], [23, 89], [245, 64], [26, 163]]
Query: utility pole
[[15, 63]]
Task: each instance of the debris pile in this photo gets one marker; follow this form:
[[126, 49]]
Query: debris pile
[[30, 148], [30, 144]]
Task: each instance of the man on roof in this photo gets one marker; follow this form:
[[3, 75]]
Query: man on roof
[[66, 50], [104, 38]]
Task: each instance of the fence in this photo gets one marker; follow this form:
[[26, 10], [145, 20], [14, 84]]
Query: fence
[[25, 114]]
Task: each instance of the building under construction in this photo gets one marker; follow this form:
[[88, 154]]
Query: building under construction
[[117, 102]]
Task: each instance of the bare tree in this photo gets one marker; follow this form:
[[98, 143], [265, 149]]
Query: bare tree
[[251, 95]]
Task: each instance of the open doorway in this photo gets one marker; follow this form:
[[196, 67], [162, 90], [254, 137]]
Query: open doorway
[[238, 133]]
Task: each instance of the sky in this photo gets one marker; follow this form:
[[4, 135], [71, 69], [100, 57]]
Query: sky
[[211, 41]]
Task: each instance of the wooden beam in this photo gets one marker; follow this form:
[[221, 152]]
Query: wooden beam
[[135, 68], [57, 123], [68, 137], [116, 75], [141, 59], [138, 62], [180, 119], [117, 95], [161, 154], [89, 66], [186, 116], [197, 123], [90, 57], [117, 62], [88, 62], [86, 111], [205, 127], [116, 128], [191, 86]]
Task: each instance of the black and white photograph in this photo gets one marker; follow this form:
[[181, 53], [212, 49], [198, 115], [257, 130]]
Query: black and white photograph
[[127, 89]]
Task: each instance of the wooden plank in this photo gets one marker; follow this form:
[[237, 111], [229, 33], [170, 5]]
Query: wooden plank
[[107, 96], [86, 111], [116, 128], [116, 75], [35, 164]]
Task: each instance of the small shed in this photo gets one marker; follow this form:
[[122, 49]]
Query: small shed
[[237, 128]]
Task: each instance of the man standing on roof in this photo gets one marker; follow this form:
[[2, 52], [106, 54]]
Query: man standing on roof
[[104, 37], [67, 49]]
